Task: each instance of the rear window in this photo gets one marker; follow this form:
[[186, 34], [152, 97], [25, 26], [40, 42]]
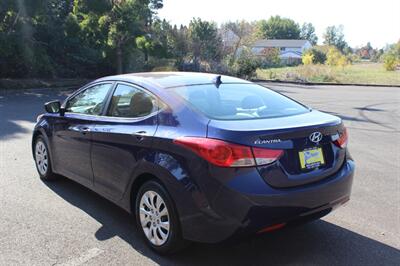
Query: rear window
[[238, 101]]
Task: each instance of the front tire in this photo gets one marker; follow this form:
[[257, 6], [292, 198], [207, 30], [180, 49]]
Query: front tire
[[42, 159], [157, 219]]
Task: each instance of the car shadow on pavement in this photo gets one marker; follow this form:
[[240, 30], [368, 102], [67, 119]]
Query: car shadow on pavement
[[319, 242]]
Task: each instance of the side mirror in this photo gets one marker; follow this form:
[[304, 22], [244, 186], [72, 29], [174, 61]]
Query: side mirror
[[53, 107]]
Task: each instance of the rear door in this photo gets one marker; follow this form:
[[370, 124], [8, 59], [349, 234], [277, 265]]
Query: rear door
[[123, 138]]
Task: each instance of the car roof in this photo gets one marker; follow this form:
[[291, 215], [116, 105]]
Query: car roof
[[163, 80]]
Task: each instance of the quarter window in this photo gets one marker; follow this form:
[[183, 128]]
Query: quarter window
[[131, 102], [91, 101]]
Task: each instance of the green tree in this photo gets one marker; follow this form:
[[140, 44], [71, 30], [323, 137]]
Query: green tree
[[244, 32], [168, 41], [307, 32], [334, 36], [160, 32], [27, 29], [145, 45], [126, 21], [278, 28], [178, 44], [112, 26], [51, 38], [204, 40], [377, 55]]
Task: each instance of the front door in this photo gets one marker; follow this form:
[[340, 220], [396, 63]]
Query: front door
[[72, 133]]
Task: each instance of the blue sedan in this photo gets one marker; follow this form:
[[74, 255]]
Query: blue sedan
[[196, 157]]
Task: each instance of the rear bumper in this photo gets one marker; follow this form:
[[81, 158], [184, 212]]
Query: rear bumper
[[248, 209]]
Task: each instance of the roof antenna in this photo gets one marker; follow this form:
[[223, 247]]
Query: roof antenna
[[217, 81]]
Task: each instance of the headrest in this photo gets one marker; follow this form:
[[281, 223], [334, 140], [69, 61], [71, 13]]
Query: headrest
[[140, 105]]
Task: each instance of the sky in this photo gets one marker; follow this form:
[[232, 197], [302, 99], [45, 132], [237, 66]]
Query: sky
[[364, 21]]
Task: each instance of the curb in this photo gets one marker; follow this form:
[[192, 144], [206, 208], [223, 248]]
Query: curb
[[21, 84], [324, 83], [61, 88]]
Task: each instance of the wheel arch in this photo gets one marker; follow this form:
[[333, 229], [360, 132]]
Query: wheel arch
[[42, 133], [137, 183], [177, 187], [36, 133]]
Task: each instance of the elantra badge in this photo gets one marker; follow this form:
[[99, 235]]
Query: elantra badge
[[267, 141]]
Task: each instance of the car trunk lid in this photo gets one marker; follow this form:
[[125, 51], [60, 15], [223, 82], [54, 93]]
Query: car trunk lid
[[292, 134]]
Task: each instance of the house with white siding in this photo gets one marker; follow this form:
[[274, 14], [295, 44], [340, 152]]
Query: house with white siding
[[290, 50]]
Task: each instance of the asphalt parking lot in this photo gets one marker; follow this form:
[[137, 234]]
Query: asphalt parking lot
[[65, 223]]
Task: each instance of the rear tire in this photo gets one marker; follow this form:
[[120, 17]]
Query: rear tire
[[157, 219], [42, 159]]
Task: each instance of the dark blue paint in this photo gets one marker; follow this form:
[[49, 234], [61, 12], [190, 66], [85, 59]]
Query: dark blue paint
[[213, 203]]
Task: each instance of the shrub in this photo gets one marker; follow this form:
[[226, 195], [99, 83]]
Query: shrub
[[188, 64], [319, 56], [307, 58], [335, 58], [316, 73], [164, 69], [270, 57], [246, 65], [342, 61], [271, 75], [390, 62], [353, 58]]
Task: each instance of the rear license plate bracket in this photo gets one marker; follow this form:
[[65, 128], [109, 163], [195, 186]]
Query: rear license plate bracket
[[311, 158]]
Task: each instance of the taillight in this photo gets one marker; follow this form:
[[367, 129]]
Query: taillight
[[343, 139], [226, 154], [266, 156]]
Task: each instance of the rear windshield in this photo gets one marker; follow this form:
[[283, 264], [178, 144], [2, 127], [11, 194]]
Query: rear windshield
[[238, 101]]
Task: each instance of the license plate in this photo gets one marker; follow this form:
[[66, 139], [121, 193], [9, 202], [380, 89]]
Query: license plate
[[311, 158]]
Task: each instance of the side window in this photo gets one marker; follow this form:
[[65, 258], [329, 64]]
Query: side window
[[90, 101], [131, 102]]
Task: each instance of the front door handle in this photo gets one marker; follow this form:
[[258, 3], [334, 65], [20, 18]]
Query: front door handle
[[140, 135], [84, 130]]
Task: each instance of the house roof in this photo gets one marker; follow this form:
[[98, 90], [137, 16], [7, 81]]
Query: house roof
[[280, 43]]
